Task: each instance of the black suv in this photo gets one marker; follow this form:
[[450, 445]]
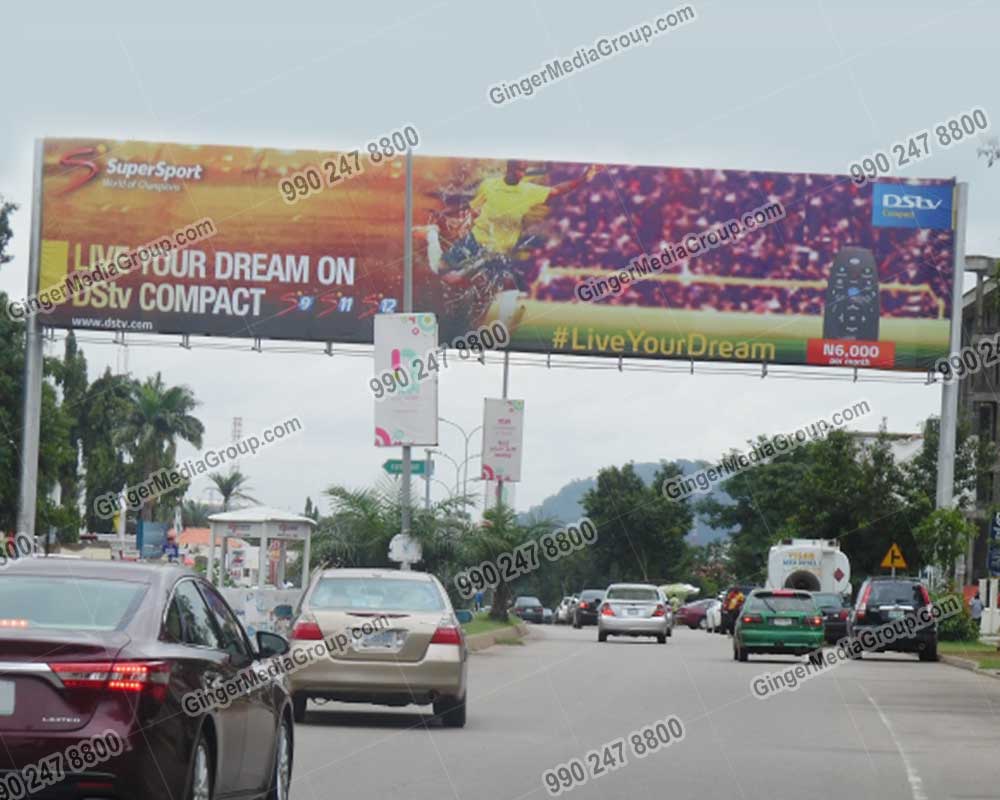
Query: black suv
[[587, 606], [883, 600]]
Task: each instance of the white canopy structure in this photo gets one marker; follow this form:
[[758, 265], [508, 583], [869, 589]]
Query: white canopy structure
[[266, 525]]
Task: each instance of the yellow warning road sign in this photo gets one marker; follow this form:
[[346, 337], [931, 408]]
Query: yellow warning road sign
[[894, 558]]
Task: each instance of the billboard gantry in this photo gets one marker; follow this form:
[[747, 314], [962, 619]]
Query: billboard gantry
[[609, 260]]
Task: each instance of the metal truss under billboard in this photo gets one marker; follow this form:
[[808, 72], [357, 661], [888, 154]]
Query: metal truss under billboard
[[609, 260]]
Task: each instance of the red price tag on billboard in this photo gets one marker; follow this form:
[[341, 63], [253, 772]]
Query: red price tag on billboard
[[850, 353]]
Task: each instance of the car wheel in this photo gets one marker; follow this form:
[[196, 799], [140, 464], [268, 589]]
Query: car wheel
[[703, 624], [816, 658], [299, 707], [662, 638], [602, 636], [670, 631], [743, 654], [929, 653], [200, 780], [736, 652], [451, 711], [281, 780]]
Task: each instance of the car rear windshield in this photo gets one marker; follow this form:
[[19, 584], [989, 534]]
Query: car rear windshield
[[590, 594], [888, 593], [68, 602], [632, 593], [780, 603], [828, 600], [376, 594], [528, 601]]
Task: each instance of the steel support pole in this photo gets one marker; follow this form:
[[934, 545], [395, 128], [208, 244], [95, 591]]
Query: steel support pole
[[949, 390], [33, 351], [407, 308]]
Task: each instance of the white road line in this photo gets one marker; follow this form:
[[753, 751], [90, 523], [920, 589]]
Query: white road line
[[916, 782]]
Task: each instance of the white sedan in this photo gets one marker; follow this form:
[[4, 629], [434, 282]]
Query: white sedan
[[712, 621]]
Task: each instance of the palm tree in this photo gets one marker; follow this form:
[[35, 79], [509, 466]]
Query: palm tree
[[194, 514], [159, 415], [232, 487], [500, 532]]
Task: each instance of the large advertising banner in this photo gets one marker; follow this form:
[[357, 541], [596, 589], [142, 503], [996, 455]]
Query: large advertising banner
[[250, 264], [503, 439], [606, 260]]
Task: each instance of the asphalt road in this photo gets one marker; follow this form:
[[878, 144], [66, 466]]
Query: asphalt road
[[888, 727]]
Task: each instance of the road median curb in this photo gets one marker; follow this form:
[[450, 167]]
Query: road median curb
[[480, 641]]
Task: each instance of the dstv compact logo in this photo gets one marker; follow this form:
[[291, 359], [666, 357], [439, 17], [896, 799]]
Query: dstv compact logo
[[911, 201]]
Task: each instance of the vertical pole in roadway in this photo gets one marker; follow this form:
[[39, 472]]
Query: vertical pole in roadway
[[949, 390], [33, 352], [428, 464], [407, 309], [506, 381]]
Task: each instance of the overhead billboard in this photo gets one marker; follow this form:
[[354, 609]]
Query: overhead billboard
[[612, 260]]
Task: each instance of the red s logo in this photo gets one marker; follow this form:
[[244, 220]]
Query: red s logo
[[72, 159]]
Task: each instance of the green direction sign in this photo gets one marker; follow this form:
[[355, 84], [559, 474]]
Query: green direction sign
[[394, 466]]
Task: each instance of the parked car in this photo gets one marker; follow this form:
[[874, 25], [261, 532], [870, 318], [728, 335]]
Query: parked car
[[585, 612], [882, 600], [547, 616], [692, 614], [633, 609], [564, 611], [117, 650], [713, 617], [420, 658], [785, 621], [835, 609], [529, 609], [731, 605]]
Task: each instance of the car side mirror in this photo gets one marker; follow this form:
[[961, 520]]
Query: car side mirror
[[271, 644]]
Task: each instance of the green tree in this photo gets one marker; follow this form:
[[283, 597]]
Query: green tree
[[640, 531], [71, 377], [194, 514], [105, 406], [158, 417], [942, 537], [233, 486]]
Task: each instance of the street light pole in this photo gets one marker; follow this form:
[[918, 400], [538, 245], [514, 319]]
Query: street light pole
[[467, 437]]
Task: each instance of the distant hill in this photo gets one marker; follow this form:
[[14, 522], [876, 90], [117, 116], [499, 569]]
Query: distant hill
[[565, 505]]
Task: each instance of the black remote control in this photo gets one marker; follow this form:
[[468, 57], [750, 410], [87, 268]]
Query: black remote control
[[852, 297]]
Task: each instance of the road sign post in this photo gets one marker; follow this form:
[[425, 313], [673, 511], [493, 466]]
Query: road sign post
[[894, 558]]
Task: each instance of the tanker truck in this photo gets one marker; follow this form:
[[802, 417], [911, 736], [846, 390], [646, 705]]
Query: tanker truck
[[815, 565]]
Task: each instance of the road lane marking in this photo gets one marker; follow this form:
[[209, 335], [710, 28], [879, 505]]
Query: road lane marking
[[916, 782]]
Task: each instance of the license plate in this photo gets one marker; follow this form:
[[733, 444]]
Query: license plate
[[383, 640], [6, 698], [896, 614], [632, 612], [781, 621]]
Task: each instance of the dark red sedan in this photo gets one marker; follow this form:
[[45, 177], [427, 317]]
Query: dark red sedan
[[692, 614], [99, 665]]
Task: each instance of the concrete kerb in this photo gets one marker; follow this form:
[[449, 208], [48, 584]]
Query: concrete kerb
[[968, 664], [481, 641]]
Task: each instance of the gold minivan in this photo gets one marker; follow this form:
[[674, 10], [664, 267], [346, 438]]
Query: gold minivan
[[391, 638]]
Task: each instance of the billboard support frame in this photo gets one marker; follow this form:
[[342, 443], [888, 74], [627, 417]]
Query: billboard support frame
[[947, 433], [34, 350]]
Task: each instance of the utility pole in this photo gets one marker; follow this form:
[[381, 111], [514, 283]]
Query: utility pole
[[407, 309]]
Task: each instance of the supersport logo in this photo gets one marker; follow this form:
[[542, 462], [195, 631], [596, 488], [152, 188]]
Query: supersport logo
[[71, 159]]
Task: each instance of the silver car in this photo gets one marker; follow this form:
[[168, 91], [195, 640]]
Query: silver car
[[633, 609]]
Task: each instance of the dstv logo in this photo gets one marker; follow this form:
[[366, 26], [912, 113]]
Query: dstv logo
[[914, 201]]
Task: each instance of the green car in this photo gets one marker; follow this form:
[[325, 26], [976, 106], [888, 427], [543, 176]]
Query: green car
[[783, 621]]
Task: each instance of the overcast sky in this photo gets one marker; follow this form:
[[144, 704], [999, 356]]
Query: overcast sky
[[791, 86]]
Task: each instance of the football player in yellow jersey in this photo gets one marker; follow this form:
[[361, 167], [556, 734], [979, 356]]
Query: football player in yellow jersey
[[498, 209]]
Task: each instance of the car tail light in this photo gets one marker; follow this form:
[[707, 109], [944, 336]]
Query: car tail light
[[813, 622], [925, 595], [752, 619], [583, 604], [660, 611], [607, 611], [842, 614], [115, 676], [447, 634], [861, 609], [306, 630]]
